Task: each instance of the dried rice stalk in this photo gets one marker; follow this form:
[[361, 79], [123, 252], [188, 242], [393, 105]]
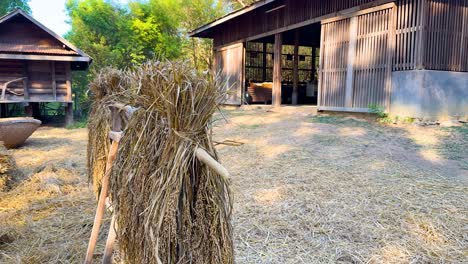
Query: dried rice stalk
[[169, 207]]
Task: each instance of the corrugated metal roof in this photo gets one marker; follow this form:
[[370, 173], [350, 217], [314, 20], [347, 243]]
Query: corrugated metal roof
[[15, 48]]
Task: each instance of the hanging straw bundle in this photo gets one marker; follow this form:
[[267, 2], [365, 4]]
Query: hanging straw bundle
[[110, 85], [169, 207]]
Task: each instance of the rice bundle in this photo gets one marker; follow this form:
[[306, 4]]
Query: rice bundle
[[169, 207]]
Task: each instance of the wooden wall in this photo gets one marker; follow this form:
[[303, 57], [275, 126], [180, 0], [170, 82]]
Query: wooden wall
[[356, 61], [48, 81]]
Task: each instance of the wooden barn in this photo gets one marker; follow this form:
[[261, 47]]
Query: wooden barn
[[36, 65], [409, 57]]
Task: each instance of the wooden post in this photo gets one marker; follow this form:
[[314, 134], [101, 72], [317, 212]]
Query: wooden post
[[295, 68], [264, 63], [390, 54], [68, 81], [351, 57], [69, 114], [276, 96], [25, 82], [54, 83], [28, 110]]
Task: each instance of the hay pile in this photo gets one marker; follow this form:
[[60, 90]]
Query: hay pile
[[8, 170], [169, 207]]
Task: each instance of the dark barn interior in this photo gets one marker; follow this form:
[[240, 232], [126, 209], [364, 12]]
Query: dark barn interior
[[299, 60]]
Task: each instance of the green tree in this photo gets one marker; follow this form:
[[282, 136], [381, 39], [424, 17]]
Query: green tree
[[7, 6], [198, 13]]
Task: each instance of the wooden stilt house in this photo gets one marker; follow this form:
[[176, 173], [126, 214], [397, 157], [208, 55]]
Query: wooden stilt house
[[36, 64], [409, 57]]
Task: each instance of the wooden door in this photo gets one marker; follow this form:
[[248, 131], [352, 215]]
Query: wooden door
[[356, 60], [229, 63], [333, 63], [373, 63]]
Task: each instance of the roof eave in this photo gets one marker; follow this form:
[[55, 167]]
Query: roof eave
[[199, 31]]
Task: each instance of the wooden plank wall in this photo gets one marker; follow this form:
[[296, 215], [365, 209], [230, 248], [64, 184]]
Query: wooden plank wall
[[47, 80], [446, 35], [10, 70]]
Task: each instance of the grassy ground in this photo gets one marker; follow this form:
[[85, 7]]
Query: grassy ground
[[308, 189]]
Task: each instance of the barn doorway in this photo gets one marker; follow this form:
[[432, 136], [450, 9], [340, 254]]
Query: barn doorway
[[300, 57]]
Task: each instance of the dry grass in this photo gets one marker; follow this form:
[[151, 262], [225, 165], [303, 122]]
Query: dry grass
[[306, 190]]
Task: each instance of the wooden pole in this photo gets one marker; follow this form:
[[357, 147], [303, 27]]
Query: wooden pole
[[101, 204], [276, 96], [209, 161], [295, 92], [107, 258], [116, 127], [69, 114]]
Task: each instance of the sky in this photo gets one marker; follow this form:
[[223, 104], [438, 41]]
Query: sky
[[51, 13]]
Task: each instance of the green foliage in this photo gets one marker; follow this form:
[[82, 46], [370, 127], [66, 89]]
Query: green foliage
[[7, 6], [126, 35], [78, 124], [377, 110]]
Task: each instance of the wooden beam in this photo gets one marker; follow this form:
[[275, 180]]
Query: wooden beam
[[351, 58], [295, 92], [237, 13], [343, 109], [276, 96]]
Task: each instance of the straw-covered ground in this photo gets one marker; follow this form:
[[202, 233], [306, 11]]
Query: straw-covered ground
[[307, 189]]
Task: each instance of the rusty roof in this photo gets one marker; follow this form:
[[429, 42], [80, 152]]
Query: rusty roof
[[17, 50], [20, 48]]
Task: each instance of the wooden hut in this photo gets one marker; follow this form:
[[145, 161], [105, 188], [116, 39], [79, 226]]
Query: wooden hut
[[409, 57], [36, 64]]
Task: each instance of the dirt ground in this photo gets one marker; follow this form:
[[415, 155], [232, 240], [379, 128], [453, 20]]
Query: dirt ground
[[307, 189]]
